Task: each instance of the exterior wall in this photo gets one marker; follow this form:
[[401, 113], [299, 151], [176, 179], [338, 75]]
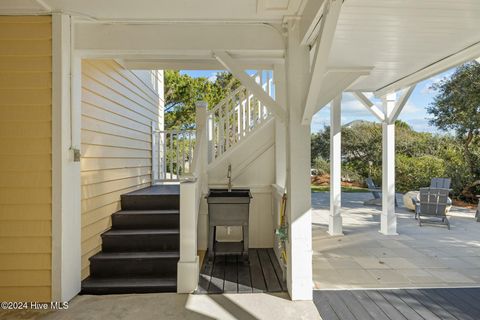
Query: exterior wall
[[253, 166], [25, 158], [117, 111]]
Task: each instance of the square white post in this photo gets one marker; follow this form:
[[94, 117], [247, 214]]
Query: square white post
[[335, 219], [299, 217], [66, 192], [388, 224]]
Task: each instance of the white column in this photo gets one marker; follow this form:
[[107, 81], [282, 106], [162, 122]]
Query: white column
[[66, 107], [335, 219], [299, 248], [388, 224], [190, 193]]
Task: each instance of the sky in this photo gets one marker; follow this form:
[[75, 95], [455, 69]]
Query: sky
[[414, 112]]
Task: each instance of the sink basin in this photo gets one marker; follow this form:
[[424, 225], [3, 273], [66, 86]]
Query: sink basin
[[228, 208], [225, 196]]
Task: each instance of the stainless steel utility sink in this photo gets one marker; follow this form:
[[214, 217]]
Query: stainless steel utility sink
[[228, 208], [223, 195]]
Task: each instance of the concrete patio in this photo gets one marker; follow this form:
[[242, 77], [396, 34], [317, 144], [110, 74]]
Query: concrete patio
[[177, 306], [419, 257]]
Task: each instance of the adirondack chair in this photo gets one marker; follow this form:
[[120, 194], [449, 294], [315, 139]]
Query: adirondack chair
[[443, 183], [432, 204], [375, 190]]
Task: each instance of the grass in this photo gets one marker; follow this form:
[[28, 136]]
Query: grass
[[344, 189]]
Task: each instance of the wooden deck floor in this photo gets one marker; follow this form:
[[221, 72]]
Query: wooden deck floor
[[415, 304], [230, 274]]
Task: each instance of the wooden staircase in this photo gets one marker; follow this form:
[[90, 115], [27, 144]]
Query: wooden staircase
[[141, 251]]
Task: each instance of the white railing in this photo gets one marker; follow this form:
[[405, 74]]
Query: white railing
[[173, 154], [237, 115]]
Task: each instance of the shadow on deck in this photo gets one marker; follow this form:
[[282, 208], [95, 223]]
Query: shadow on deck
[[231, 274]]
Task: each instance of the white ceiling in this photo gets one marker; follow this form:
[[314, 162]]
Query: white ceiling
[[21, 6], [400, 37], [181, 10], [396, 37]]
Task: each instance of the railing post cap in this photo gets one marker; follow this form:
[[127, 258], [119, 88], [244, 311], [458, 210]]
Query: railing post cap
[[201, 104]]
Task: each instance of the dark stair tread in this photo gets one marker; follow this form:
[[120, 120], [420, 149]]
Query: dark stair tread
[[136, 255], [128, 232], [152, 212], [128, 282], [157, 190]]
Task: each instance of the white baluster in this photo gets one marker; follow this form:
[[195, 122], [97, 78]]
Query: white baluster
[[227, 121], [210, 135], [239, 116], [249, 111], [222, 131], [265, 111], [244, 111], [234, 120], [164, 162], [169, 150], [183, 149]]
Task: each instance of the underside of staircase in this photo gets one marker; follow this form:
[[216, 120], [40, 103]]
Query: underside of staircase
[[141, 251]]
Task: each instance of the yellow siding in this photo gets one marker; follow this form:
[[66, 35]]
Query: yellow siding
[[117, 111], [25, 158]]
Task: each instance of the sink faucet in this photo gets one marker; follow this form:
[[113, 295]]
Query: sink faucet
[[229, 176]]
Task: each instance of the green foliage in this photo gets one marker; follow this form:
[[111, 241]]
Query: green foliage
[[361, 148], [182, 91], [420, 156], [321, 165], [320, 146], [413, 173], [457, 107]]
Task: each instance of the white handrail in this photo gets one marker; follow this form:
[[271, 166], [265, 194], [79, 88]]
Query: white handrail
[[224, 100], [237, 115]]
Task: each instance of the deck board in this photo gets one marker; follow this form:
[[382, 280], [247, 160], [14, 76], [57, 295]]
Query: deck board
[[231, 280], [218, 276], [258, 282], [353, 304], [244, 280], [392, 304], [232, 274], [278, 269], [271, 280], [430, 304], [424, 312], [204, 279]]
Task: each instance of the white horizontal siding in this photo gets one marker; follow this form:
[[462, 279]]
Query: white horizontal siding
[[117, 111]]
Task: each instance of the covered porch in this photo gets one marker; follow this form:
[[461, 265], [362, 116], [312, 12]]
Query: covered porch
[[316, 50], [430, 256]]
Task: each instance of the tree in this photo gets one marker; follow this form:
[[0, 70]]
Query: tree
[[182, 91], [420, 155], [457, 107]]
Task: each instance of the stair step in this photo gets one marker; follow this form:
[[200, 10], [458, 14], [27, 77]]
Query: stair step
[[118, 285], [127, 240], [159, 197], [143, 219], [153, 263]]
